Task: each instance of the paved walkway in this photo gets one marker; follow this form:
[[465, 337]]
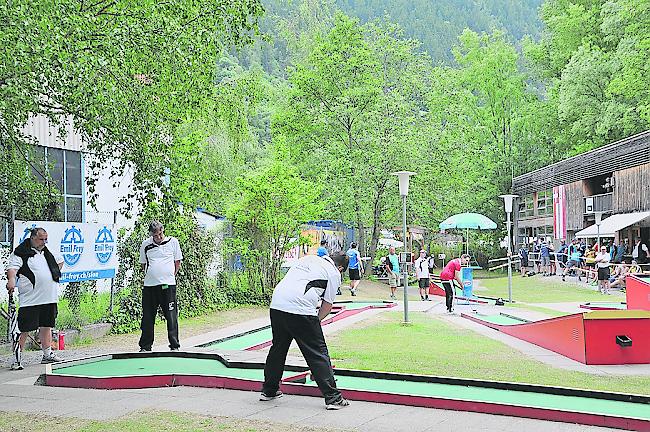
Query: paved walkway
[[20, 394]]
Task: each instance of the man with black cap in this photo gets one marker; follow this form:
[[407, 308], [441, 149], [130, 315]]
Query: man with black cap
[[38, 271]]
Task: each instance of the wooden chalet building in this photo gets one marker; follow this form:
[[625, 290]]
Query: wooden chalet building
[[560, 201]]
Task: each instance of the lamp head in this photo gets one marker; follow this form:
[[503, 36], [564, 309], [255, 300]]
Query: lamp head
[[598, 216], [403, 177], [507, 201]]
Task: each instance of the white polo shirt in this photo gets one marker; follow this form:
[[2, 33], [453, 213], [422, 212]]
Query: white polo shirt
[[309, 280], [160, 261], [45, 290], [422, 268]]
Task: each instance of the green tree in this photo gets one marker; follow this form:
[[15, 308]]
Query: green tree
[[272, 203], [124, 73], [593, 60], [353, 117]]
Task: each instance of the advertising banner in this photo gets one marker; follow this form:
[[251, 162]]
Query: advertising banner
[[467, 276], [559, 212], [89, 250]]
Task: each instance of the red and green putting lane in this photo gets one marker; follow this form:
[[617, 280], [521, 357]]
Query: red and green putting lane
[[143, 370], [261, 338]]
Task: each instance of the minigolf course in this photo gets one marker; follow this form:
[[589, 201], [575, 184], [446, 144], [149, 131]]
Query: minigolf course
[[601, 337], [261, 338], [141, 370], [211, 370], [637, 295]]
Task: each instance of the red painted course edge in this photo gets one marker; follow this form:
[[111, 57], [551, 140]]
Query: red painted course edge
[[369, 396]]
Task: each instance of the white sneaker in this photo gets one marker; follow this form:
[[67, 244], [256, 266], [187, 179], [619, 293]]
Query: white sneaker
[[16, 366], [265, 397], [52, 358], [341, 403]]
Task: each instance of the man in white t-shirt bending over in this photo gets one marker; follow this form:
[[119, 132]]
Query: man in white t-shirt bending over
[[38, 271], [300, 302], [160, 257]]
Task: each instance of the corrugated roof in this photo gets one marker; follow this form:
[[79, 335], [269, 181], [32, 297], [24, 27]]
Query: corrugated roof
[[626, 153]]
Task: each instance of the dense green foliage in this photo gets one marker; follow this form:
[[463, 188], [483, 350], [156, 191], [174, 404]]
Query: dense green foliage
[[123, 73], [310, 118], [437, 24]]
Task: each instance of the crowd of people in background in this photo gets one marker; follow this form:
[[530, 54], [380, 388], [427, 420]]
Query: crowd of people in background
[[580, 259]]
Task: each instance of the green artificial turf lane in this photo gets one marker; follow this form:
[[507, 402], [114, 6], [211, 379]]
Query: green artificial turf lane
[[159, 366], [263, 335], [188, 366], [500, 319], [613, 305], [359, 305], [244, 341], [508, 397]]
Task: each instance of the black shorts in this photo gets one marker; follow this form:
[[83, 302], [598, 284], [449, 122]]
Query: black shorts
[[354, 274], [603, 273], [31, 318], [424, 283]]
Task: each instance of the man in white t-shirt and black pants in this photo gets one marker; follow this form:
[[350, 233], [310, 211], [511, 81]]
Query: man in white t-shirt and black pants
[[422, 273], [38, 271], [160, 257], [300, 302]]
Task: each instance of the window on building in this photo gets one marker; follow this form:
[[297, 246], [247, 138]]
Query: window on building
[[65, 168], [526, 208], [522, 236], [544, 232], [544, 203]]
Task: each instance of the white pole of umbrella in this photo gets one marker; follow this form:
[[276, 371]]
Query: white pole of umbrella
[[507, 201]]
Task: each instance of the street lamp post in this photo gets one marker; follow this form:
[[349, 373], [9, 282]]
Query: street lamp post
[[404, 177], [507, 201], [598, 216]]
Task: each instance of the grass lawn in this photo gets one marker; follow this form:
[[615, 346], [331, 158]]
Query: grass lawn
[[139, 422], [537, 289], [187, 327], [432, 346]]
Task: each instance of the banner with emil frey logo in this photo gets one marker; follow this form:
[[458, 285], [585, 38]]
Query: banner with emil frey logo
[[89, 250]]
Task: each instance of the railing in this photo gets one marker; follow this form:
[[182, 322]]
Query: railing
[[598, 203]]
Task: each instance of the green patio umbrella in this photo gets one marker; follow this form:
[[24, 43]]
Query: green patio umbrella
[[467, 221]]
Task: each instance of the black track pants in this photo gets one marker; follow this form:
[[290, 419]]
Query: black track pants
[[307, 332], [152, 298], [449, 293]]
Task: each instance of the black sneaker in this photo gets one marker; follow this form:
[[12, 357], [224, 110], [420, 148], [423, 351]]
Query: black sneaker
[[265, 397], [16, 366], [337, 405]]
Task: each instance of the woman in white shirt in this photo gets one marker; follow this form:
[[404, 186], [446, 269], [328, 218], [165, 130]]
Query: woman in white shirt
[[602, 262]]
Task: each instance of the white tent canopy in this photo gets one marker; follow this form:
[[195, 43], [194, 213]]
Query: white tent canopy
[[612, 224]]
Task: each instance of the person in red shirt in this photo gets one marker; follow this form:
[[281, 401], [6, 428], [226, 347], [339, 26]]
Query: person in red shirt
[[451, 272]]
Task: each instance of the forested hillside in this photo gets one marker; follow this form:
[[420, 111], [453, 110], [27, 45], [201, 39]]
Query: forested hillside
[[437, 24]]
